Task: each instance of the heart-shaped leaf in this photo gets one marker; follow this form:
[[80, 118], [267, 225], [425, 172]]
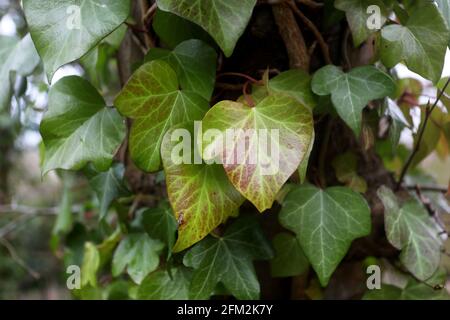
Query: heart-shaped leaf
[[15, 55], [325, 222], [228, 259], [65, 30], [195, 64], [153, 100], [410, 229], [139, 254], [79, 128], [351, 92], [421, 42], [162, 285], [358, 17], [266, 145], [200, 194], [224, 20]]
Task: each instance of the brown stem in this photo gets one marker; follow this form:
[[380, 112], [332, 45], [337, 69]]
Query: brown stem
[[323, 45], [428, 111], [292, 37]]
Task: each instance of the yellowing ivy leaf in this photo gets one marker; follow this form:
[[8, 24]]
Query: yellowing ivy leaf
[[200, 194], [267, 144], [153, 100]]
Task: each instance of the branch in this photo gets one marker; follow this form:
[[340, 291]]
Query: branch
[[429, 188], [323, 45], [29, 211], [17, 259], [292, 37], [428, 111]]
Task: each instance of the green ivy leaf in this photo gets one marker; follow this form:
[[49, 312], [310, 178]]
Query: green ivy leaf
[[297, 84], [195, 65], [345, 165], [444, 7], [228, 260], [325, 222], [225, 20], [65, 30], [421, 42], [18, 56], [153, 99], [90, 266], [289, 258], [352, 91], [108, 186], [139, 254], [160, 223], [201, 195], [162, 285], [165, 22], [357, 17], [413, 291], [259, 181], [410, 229], [79, 128]]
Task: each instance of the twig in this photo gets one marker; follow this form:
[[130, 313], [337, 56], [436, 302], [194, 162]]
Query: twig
[[292, 37], [323, 45], [310, 3], [17, 259], [428, 188], [237, 74], [144, 11], [428, 111], [149, 14]]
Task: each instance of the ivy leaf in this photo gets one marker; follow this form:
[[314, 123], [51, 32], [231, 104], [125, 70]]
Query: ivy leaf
[[345, 166], [160, 223], [289, 258], [421, 42], [162, 285], [259, 174], [413, 291], [357, 17], [152, 98], [352, 91], [65, 30], [165, 22], [195, 65], [108, 186], [297, 84], [139, 254], [79, 128], [228, 260], [325, 222], [90, 266], [444, 7], [15, 55], [225, 20], [201, 195], [398, 123], [410, 229]]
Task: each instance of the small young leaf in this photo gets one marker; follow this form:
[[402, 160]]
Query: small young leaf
[[289, 258], [195, 65], [224, 20], [160, 285], [91, 264], [139, 254], [260, 174], [345, 165], [351, 92], [421, 42], [200, 194], [326, 222], [228, 260], [65, 30], [108, 186], [410, 229], [15, 55], [358, 17], [153, 99], [79, 128]]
